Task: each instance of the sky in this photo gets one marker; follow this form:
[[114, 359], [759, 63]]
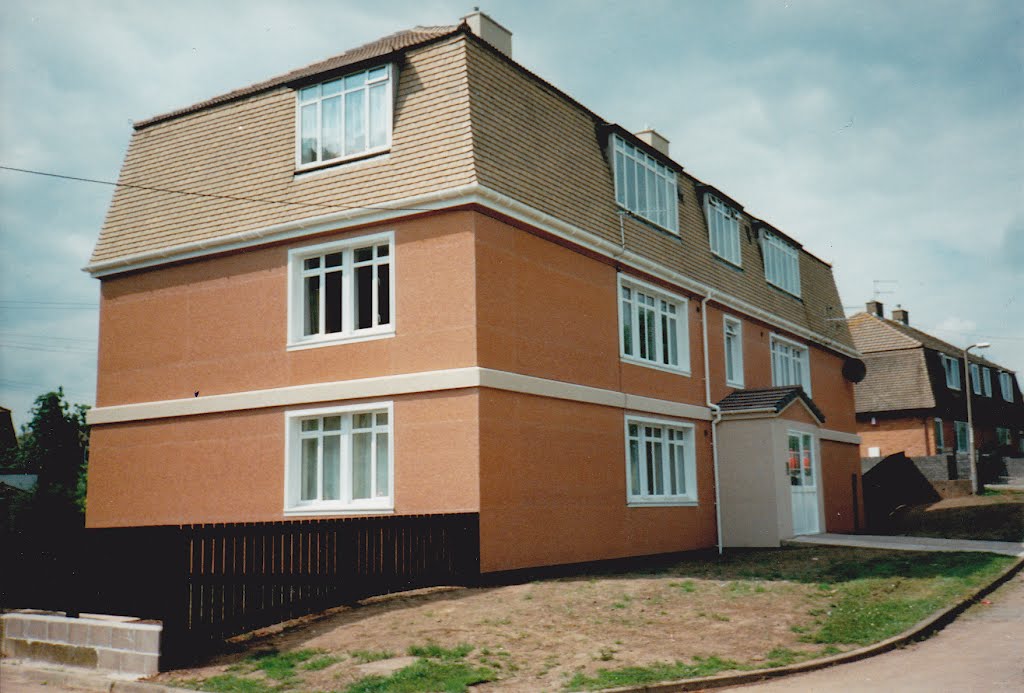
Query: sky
[[887, 137]]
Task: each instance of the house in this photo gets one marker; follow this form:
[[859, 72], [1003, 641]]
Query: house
[[416, 278], [914, 398]]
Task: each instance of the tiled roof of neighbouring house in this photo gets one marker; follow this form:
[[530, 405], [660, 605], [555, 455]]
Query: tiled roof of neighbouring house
[[896, 380], [382, 46], [774, 398], [872, 334]]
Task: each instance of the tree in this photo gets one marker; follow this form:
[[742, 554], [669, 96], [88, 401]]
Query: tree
[[54, 445]]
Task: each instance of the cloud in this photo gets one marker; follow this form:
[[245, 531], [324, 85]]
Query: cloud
[[887, 137]]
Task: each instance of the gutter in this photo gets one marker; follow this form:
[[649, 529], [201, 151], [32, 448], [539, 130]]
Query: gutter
[[716, 417]]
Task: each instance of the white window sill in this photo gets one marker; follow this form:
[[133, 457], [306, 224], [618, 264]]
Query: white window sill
[[335, 339], [661, 503], [738, 386], [324, 509], [314, 166], [783, 289], [656, 366], [642, 218], [732, 263]]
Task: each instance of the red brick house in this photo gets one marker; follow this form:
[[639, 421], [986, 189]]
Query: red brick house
[[914, 398], [417, 278]]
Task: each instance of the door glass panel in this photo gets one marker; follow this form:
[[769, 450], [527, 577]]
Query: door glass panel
[[793, 463]]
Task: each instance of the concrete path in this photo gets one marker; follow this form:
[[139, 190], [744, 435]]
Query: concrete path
[[982, 651], [870, 541]]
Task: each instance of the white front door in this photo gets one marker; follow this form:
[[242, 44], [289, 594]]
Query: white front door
[[803, 483]]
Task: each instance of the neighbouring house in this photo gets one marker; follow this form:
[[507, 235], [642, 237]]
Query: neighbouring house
[[417, 278], [8, 438], [914, 398]]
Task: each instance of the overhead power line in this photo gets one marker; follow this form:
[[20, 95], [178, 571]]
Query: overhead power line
[[192, 193]]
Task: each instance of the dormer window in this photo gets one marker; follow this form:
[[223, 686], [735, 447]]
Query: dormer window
[[781, 264], [723, 230], [645, 186], [344, 118]]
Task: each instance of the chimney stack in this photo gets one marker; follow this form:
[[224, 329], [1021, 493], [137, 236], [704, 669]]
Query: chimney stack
[[874, 308], [655, 139], [489, 30], [900, 315]]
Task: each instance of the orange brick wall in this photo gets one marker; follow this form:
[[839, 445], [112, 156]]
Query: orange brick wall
[[912, 436]]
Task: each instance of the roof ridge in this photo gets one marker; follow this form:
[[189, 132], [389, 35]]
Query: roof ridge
[[384, 45]]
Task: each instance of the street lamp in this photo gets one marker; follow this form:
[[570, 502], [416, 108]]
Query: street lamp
[[970, 419]]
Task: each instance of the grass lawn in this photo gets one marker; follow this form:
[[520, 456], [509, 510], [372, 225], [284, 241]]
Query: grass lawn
[[750, 609], [993, 516]]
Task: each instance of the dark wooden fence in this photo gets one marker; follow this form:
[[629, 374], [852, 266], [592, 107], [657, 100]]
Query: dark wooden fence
[[210, 582]]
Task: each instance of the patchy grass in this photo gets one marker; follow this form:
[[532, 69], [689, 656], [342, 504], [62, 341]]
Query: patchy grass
[[639, 676], [435, 651], [745, 610], [425, 676], [992, 516], [367, 656]]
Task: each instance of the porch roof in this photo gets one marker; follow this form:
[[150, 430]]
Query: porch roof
[[768, 399]]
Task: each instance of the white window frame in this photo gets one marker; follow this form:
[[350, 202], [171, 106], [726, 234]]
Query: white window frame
[[805, 362], [682, 325], [349, 333], [733, 348], [650, 178], [960, 428], [1006, 386], [976, 378], [781, 263], [940, 437], [293, 505], [952, 368], [986, 380], [723, 230], [300, 102], [688, 445], [1003, 436]]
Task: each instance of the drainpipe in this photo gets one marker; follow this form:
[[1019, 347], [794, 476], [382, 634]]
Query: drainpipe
[[716, 416]]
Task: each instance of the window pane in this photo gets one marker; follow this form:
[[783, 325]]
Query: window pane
[[383, 294], [308, 473], [309, 93], [311, 317], [383, 251], [377, 73], [332, 302], [355, 122], [634, 465], [379, 115], [361, 460], [332, 423], [311, 263], [362, 421], [308, 133], [331, 260], [363, 254], [332, 467], [620, 177], [630, 184], [793, 468], [671, 348], [330, 88], [310, 425], [364, 297], [382, 464], [382, 419], [673, 476], [330, 128], [655, 452], [356, 80]]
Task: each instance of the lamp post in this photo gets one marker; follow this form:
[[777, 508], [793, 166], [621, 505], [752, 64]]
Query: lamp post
[[970, 418]]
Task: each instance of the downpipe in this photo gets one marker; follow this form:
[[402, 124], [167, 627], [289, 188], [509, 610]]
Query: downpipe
[[716, 416]]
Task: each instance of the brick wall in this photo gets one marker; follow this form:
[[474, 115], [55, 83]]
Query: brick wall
[[910, 436]]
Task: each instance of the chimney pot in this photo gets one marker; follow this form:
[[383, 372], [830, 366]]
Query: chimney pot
[[655, 139], [489, 30], [874, 308], [900, 315]]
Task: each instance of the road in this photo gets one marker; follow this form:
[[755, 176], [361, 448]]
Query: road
[[982, 651]]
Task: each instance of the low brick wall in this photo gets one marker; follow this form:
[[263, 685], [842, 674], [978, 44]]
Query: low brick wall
[[953, 489], [130, 648]]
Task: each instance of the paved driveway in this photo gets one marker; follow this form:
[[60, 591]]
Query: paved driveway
[[983, 650]]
